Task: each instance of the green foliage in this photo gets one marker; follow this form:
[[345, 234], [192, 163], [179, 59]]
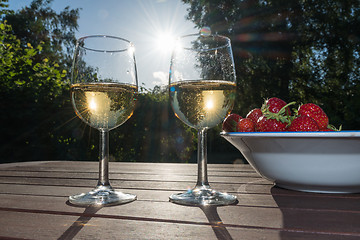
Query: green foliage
[[38, 119], [19, 71], [327, 61], [39, 24], [34, 94], [3, 8], [27, 88], [304, 51], [153, 134]]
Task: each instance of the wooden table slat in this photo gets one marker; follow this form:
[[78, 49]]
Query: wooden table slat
[[33, 205]]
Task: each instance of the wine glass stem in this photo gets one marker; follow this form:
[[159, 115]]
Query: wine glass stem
[[202, 180], [104, 159]]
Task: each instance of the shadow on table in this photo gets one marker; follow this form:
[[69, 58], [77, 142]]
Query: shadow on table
[[85, 217], [216, 223], [317, 215]]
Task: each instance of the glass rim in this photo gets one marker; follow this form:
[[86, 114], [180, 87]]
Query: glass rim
[[227, 39], [104, 36]]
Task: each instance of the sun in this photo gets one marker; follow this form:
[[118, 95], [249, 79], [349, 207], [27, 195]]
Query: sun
[[165, 42]]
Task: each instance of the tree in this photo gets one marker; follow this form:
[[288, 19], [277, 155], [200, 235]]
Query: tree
[[307, 51], [260, 50], [38, 23], [153, 134], [327, 69], [33, 91], [3, 8], [36, 112]]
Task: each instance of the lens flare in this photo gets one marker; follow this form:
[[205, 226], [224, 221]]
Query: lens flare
[[205, 31], [92, 104], [165, 42]]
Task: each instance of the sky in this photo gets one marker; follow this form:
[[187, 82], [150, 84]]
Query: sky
[[149, 24]]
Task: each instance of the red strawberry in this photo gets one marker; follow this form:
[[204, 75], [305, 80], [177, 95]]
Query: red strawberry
[[265, 124], [276, 116], [245, 125], [274, 105], [230, 122], [314, 111], [303, 124], [254, 115], [327, 130]]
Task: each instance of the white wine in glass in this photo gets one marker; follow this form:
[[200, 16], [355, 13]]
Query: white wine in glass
[[202, 87], [103, 93], [104, 105]]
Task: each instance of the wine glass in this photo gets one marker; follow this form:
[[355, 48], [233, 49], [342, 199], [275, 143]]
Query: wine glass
[[202, 86], [103, 93]]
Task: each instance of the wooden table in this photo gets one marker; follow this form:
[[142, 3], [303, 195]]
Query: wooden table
[[33, 205]]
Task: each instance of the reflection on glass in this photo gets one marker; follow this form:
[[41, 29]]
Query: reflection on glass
[[103, 93], [202, 93]]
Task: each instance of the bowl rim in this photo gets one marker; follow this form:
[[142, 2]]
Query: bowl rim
[[335, 134]]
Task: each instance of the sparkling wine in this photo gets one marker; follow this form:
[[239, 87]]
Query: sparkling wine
[[103, 105], [202, 104]]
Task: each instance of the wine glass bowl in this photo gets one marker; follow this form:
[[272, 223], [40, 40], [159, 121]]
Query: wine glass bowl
[[202, 87], [103, 93], [103, 105]]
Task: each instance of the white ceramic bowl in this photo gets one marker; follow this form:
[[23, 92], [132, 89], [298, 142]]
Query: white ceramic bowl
[[326, 162]]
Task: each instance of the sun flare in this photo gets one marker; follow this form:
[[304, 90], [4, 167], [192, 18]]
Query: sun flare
[[165, 42], [92, 105]]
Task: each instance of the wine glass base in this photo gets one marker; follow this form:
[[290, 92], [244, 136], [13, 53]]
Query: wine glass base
[[101, 196], [200, 196]]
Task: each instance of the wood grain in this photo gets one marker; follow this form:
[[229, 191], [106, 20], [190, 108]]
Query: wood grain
[[33, 205]]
